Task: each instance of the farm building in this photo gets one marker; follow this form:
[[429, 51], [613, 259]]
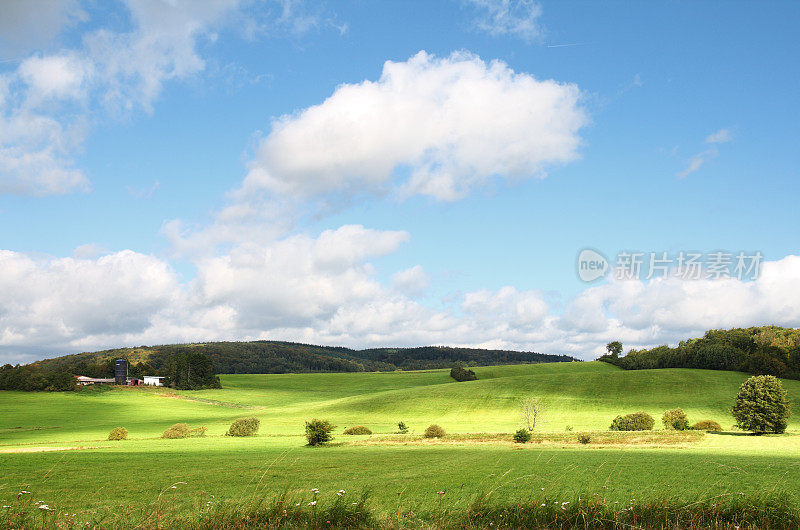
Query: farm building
[[154, 380], [82, 380]]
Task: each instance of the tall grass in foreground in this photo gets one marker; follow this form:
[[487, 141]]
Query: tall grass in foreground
[[729, 511]]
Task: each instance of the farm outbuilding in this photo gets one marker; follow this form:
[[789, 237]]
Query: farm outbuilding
[[153, 380]]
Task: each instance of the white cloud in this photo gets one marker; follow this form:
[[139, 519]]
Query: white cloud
[[324, 290], [55, 76], [111, 73], [430, 126], [53, 303], [412, 281], [518, 18], [697, 161], [720, 137]]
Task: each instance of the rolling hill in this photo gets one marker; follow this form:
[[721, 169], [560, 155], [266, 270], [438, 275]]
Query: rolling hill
[[267, 357]]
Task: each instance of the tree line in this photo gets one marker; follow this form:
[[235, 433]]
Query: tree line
[[764, 350]]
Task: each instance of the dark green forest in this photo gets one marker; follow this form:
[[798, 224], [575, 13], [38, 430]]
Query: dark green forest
[[257, 357], [765, 350]]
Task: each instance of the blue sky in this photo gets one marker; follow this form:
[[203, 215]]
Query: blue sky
[[176, 171]]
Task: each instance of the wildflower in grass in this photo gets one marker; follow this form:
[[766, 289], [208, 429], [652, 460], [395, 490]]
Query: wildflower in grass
[[440, 492], [543, 505], [314, 491], [45, 507], [312, 503]]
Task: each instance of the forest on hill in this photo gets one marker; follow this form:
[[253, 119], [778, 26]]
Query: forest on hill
[[257, 357], [764, 350]]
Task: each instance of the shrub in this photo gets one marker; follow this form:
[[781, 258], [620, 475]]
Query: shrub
[[707, 425], [358, 429], [319, 431], [118, 433], [762, 405], [568, 428], [522, 436], [179, 430], [402, 428], [638, 421], [675, 419], [460, 373], [434, 431], [584, 438], [244, 427]]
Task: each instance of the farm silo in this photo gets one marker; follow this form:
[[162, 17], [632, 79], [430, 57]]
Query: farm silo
[[121, 372]]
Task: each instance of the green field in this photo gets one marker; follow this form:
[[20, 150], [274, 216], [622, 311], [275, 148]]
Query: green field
[[116, 477]]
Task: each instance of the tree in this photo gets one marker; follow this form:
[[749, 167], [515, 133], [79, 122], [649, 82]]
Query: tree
[[318, 432], [614, 348], [190, 370], [531, 410], [762, 405]]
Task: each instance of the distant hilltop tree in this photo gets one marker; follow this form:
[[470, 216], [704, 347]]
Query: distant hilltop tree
[[614, 348]]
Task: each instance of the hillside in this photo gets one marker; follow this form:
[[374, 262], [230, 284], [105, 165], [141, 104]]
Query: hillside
[[467, 464], [275, 357], [585, 396]]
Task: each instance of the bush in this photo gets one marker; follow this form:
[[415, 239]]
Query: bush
[[402, 428], [568, 428], [460, 373], [584, 438], [707, 425], [675, 420], [118, 433], [244, 427], [358, 429], [522, 436], [762, 405], [434, 431], [179, 430], [319, 431], [638, 421]]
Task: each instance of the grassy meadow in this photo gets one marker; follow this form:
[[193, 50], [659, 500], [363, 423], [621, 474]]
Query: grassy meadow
[[102, 481]]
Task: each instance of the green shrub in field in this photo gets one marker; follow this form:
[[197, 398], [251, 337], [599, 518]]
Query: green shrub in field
[[118, 433], [762, 405], [675, 420], [244, 427], [459, 373], [584, 438], [434, 431], [522, 436], [318, 432], [707, 425], [402, 428], [179, 430], [638, 421], [568, 428], [358, 429]]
